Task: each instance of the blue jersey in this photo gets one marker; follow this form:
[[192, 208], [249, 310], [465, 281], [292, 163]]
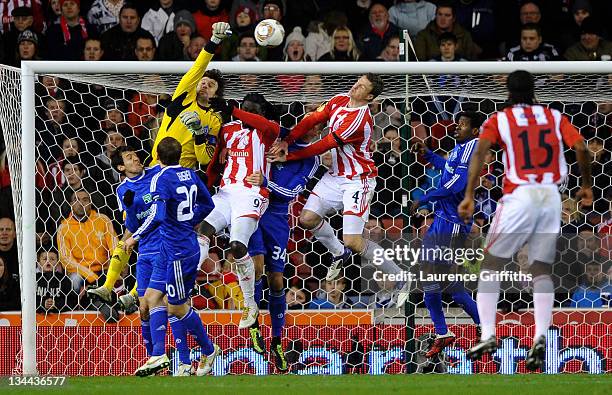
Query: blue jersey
[[135, 200], [180, 199], [453, 181]]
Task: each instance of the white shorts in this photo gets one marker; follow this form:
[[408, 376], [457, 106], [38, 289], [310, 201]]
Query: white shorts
[[239, 207], [530, 214], [353, 197]]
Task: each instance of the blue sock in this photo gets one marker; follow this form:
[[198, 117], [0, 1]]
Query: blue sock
[[158, 320], [277, 308], [146, 336], [194, 325], [433, 301], [180, 339], [258, 291], [465, 300]]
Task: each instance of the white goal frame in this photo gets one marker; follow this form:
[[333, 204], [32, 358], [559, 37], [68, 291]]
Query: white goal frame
[[29, 70]]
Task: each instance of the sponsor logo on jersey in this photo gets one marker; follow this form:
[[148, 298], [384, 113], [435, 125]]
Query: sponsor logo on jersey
[[238, 153], [147, 198]]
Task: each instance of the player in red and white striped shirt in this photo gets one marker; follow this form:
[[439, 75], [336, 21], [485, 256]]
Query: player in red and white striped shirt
[[351, 181], [533, 139], [241, 199]]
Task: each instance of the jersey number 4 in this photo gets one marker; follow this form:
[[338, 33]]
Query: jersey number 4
[[184, 211]]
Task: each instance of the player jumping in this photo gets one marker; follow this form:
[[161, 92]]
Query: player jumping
[[179, 199], [238, 202], [351, 181], [448, 229], [268, 245], [532, 138], [196, 129]]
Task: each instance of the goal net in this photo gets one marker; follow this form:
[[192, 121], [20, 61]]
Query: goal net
[[352, 325]]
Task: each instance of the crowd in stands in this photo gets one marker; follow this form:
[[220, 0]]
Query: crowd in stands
[[78, 127]]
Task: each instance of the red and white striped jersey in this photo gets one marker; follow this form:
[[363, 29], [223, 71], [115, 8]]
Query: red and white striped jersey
[[353, 126], [246, 149], [532, 140]]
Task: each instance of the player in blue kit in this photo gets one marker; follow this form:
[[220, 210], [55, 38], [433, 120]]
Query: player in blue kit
[[180, 199], [448, 229], [134, 199]]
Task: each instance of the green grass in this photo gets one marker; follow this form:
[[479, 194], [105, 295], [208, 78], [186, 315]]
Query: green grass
[[575, 384]]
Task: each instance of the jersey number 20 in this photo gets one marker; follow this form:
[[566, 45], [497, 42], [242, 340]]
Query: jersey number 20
[[184, 211]]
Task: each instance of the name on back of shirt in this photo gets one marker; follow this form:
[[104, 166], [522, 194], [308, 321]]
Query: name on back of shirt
[[184, 175]]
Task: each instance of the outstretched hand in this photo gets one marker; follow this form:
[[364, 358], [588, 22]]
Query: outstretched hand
[[220, 30]]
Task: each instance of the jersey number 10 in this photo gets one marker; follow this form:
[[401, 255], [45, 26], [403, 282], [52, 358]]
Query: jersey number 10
[[184, 211]]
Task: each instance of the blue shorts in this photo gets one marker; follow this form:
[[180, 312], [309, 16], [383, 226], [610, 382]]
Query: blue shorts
[[144, 270], [443, 234], [158, 275], [270, 239], [180, 278]]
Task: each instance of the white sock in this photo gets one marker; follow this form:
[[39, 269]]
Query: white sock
[[486, 300], [387, 265], [204, 243], [245, 269], [543, 300], [326, 235]]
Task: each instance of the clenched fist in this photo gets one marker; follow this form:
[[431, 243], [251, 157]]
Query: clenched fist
[[192, 122], [219, 31]]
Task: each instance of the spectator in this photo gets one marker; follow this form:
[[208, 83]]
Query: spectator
[[296, 298], [119, 41], [104, 14], [71, 147], [13, 8], [331, 296], [571, 217], [243, 22], [593, 286], [53, 288], [113, 141], [226, 291], [412, 15], [196, 44], [372, 42], [448, 49], [391, 50], [591, 45], [247, 49], [53, 128], [238, 5], [66, 39], [145, 49], [115, 121], [342, 47], [22, 20], [10, 299], [317, 42], [272, 9], [27, 47], [85, 240], [174, 44], [581, 9], [294, 46], [93, 49], [530, 13], [388, 161], [8, 247], [426, 44], [357, 14], [481, 19], [209, 12], [532, 48], [159, 20], [53, 13]]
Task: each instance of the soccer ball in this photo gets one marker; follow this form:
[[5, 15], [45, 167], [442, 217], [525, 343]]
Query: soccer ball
[[269, 33]]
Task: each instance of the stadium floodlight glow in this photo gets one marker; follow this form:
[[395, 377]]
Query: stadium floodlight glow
[[22, 153]]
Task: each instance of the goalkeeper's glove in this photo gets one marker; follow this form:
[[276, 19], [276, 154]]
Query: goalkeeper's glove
[[220, 30], [191, 120], [223, 107]]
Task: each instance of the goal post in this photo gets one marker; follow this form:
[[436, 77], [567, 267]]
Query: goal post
[[484, 84]]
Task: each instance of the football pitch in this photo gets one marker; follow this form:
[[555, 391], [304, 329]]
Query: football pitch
[[336, 385]]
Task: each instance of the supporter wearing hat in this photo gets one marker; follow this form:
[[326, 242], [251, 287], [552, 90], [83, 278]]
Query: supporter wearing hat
[[243, 21], [294, 46], [30, 10], [591, 45], [27, 47], [173, 45], [66, 39]]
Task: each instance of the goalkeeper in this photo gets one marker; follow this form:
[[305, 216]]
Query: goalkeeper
[[199, 124], [196, 129]]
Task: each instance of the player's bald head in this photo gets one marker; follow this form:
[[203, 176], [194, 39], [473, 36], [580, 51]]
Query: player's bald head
[[169, 151], [520, 86]]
